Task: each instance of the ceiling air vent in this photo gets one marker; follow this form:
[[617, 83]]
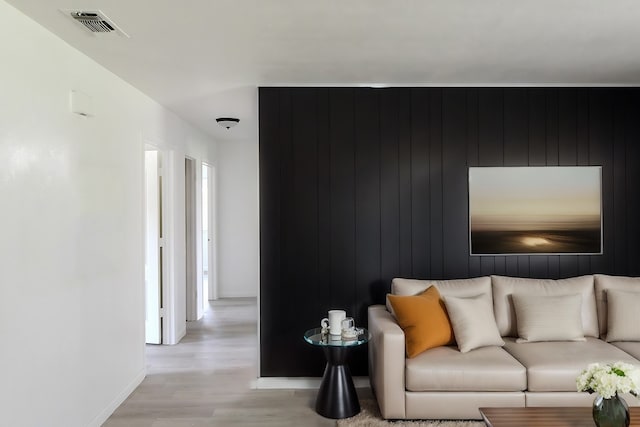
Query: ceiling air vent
[[95, 21]]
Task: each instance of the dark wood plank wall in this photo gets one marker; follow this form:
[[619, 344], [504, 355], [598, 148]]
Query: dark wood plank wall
[[358, 186]]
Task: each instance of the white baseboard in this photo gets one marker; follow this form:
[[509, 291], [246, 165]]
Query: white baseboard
[[265, 383], [181, 334], [110, 409]]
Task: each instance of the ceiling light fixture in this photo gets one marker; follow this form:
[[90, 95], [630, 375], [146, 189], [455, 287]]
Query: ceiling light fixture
[[227, 122]]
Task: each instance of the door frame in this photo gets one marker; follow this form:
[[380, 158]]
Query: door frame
[[193, 258], [162, 249], [213, 231]]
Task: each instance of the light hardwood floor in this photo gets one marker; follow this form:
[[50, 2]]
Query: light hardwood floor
[[206, 379]]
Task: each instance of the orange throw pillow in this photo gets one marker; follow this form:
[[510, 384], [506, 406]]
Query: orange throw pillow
[[424, 320]]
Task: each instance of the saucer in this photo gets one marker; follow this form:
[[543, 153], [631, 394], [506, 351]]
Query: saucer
[[349, 335]]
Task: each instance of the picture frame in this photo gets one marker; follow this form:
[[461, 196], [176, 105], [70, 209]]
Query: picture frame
[[544, 210]]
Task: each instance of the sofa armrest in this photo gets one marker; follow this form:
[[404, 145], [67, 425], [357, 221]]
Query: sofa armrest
[[387, 362]]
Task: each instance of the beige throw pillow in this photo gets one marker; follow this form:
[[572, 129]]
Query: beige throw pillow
[[622, 315], [604, 283], [473, 322], [548, 318]]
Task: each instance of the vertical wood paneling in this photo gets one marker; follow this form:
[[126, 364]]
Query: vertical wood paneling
[[472, 160], [632, 136], [583, 113], [358, 186], [303, 221], [499, 262], [553, 145], [287, 218], [405, 187], [568, 156], [390, 243], [420, 184], [490, 127], [516, 127], [490, 144], [538, 265], [567, 128], [537, 127], [367, 211], [619, 167], [455, 249], [516, 145], [343, 227], [553, 159], [435, 192], [583, 116], [303, 225], [367, 198], [323, 290], [269, 218], [601, 143]]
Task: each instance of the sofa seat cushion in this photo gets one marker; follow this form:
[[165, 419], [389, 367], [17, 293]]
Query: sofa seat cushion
[[631, 347], [555, 365], [482, 369]]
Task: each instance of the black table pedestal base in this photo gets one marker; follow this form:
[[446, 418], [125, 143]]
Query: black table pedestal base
[[337, 397]]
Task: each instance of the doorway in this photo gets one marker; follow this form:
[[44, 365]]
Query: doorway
[[200, 241], [193, 284], [209, 282], [154, 246]]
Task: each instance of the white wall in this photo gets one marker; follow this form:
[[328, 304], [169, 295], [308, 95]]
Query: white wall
[[238, 219], [71, 221]]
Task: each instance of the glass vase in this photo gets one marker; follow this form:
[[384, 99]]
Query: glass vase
[[612, 412]]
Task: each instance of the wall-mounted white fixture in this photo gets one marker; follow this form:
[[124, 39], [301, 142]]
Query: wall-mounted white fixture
[[80, 103], [227, 122]]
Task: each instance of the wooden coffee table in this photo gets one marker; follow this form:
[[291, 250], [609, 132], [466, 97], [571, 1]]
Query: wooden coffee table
[[547, 417]]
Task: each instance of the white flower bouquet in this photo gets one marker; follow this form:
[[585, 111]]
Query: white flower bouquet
[[609, 379]]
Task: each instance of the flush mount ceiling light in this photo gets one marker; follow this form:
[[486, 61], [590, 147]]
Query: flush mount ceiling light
[[227, 122]]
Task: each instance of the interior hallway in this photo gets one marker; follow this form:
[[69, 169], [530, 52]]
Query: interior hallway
[[206, 379]]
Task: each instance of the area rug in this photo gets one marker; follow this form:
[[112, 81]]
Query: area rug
[[370, 417]]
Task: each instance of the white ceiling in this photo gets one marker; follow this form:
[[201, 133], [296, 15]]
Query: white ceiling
[[204, 58]]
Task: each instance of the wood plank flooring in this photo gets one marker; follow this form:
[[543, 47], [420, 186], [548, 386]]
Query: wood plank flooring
[[206, 379]]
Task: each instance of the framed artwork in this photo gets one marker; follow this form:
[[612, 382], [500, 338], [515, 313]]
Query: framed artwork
[[535, 210]]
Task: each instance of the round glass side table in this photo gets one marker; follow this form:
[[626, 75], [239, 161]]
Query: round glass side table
[[337, 397]]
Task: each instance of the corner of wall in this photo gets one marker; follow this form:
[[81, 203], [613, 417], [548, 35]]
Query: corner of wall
[[120, 398]]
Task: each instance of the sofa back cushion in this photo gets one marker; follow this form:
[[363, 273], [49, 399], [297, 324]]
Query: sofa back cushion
[[505, 287], [622, 318], [548, 318], [453, 288], [604, 283]]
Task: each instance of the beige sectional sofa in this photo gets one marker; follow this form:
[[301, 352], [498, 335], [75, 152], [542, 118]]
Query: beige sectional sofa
[[444, 383]]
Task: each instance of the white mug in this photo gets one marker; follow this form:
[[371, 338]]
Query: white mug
[[334, 322]]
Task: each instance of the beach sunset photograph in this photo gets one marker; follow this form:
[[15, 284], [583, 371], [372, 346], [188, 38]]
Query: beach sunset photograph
[[535, 210]]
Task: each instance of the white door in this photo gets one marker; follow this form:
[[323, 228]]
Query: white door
[[209, 288], [194, 293], [153, 251]]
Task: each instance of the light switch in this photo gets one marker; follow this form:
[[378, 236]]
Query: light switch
[[80, 103]]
